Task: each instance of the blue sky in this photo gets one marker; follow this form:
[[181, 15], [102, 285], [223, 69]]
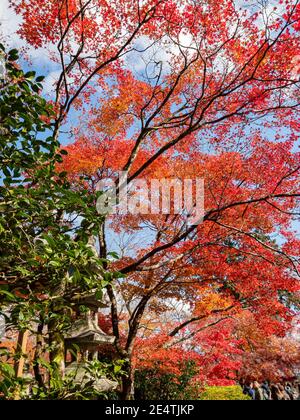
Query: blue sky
[[40, 62]]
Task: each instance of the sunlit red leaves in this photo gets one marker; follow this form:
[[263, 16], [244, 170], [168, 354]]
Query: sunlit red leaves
[[40, 20], [210, 301], [154, 353], [125, 96], [265, 355], [95, 160]]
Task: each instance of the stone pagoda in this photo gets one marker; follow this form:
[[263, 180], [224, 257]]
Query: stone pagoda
[[83, 341]]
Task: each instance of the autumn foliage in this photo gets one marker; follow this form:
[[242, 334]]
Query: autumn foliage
[[182, 89]]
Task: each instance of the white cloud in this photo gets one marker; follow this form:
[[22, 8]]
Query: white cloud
[[9, 25], [49, 82], [270, 10], [147, 54]]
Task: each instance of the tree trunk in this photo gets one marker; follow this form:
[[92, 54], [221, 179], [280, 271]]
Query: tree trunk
[[37, 355], [57, 353], [56, 336], [128, 382]]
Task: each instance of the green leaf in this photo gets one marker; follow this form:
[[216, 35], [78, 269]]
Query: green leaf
[[6, 172], [13, 55], [117, 369], [99, 295], [36, 88], [7, 294], [7, 369], [113, 255], [30, 75]]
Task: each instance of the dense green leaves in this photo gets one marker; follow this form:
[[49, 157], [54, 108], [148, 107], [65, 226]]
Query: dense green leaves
[[223, 393], [39, 244], [156, 385], [45, 228]]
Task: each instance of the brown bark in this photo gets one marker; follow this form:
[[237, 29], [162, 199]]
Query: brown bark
[[38, 354], [127, 393]]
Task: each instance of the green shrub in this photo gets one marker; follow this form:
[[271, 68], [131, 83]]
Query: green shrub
[[223, 393], [157, 385]]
